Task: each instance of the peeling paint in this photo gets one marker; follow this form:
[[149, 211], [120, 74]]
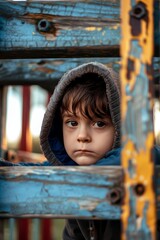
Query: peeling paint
[[93, 29], [138, 211], [135, 49], [58, 25], [57, 191]]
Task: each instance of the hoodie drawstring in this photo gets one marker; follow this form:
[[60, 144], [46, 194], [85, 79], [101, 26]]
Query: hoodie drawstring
[[92, 230]]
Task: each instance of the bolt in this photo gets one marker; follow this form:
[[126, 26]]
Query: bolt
[[139, 189], [138, 10], [115, 195], [44, 25]]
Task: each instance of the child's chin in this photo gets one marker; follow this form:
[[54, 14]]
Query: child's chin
[[85, 161]]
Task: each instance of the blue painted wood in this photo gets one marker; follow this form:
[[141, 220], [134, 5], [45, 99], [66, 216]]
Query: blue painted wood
[[47, 72], [82, 192], [63, 28], [59, 27], [60, 192], [44, 72]]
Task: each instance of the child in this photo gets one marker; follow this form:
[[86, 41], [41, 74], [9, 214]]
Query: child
[[82, 101], [81, 126]]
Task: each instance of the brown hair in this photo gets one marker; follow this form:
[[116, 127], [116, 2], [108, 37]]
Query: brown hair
[[87, 94]]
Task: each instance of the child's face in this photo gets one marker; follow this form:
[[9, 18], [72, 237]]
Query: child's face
[[86, 141]]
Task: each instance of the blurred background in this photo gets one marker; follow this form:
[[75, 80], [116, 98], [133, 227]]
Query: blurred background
[[25, 107]]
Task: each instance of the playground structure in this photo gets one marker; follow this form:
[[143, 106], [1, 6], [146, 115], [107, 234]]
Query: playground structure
[[39, 41]]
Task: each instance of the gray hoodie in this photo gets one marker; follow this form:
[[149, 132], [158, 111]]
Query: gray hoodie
[[53, 149], [51, 144]]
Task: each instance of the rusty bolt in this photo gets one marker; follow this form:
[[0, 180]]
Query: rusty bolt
[[44, 25], [138, 10], [115, 195], [139, 189]]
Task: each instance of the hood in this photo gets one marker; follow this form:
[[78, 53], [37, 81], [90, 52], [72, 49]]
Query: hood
[[50, 142]]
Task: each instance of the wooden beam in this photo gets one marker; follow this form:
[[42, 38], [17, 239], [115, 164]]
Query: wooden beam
[[59, 29], [139, 206], [43, 72], [61, 192], [47, 72], [63, 29]]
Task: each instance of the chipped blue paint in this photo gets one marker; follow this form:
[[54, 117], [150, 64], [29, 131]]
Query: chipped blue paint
[[138, 118], [92, 26], [76, 24], [133, 3], [131, 226], [136, 49], [30, 69], [137, 229], [25, 71], [131, 168], [144, 229], [19, 35], [52, 193], [47, 191], [67, 8]]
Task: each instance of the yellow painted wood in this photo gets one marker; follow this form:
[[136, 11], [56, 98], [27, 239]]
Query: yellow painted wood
[[138, 211]]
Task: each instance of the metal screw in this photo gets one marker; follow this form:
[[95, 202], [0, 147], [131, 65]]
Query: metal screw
[[139, 189], [44, 25], [115, 195], [138, 11]]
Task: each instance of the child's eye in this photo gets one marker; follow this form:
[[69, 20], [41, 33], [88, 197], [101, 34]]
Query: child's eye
[[71, 123], [99, 124]]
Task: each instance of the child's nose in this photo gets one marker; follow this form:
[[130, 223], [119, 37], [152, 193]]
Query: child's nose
[[84, 135]]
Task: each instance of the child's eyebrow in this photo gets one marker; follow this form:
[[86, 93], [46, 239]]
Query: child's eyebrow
[[67, 114]]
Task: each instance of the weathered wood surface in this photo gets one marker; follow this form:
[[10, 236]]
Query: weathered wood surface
[[62, 29], [47, 72], [44, 72], [59, 28], [65, 192], [139, 208]]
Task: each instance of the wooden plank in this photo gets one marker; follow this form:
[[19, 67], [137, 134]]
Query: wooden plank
[[139, 207], [83, 192], [47, 72], [44, 72], [63, 29], [60, 192], [59, 29]]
